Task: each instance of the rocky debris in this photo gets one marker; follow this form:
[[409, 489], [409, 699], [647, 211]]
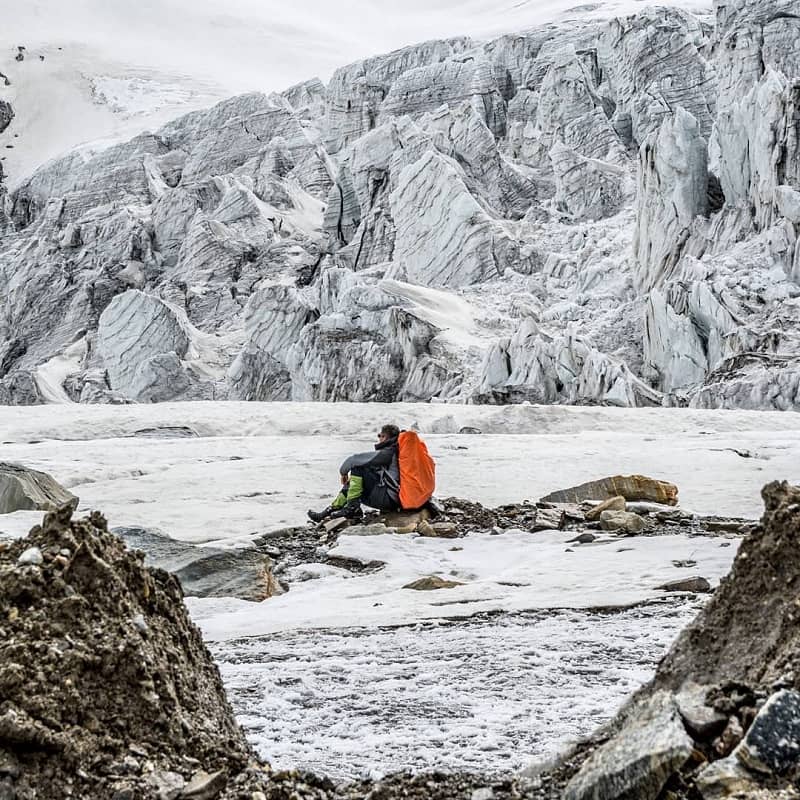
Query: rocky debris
[[431, 583], [772, 744], [727, 690], [726, 642], [703, 722], [697, 585], [612, 504], [549, 519], [6, 114], [124, 687], [24, 489], [639, 760], [621, 522], [629, 487], [206, 571]]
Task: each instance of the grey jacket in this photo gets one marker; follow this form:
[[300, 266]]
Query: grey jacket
[[383, 459]]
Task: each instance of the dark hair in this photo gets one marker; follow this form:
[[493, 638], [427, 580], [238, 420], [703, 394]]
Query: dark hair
[[390, 431]]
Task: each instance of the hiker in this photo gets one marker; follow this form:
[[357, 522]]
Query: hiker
[[371, 478]]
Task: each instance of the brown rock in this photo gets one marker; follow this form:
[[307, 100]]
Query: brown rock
[[402, 519], [631, 487], [621, 522], [612, 504], [431, 583], [440, 530], [697, 585]]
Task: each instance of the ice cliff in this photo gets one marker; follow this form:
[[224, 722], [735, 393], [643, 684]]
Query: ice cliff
[[591, 212]]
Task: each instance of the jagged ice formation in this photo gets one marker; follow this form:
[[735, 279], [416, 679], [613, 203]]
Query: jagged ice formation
[[586, 212]]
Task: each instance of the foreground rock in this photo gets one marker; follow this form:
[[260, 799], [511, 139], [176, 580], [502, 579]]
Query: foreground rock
[[24, 489], [124, 690], [639, 760], [721, 718]]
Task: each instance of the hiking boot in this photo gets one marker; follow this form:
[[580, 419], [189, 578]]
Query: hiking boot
[[319, 516], [351, 511]]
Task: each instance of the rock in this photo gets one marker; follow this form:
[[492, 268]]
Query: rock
[[207, 571], [621, 522], [30, 557], [772, 743], [332, 525], [167, 785], [446, 530], [702, 721], [725, 778], [24, 489], [205, 786], [725, 642], [402, 519], [612, 504], [638, 761], [431, 583], [729, 739], [696, 585], [55, 722], [377, 529], [549, 519], [6, 114], [631, 487], [584, 538]]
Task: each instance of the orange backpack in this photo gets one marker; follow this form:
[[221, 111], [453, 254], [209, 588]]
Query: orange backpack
[[417, 471]]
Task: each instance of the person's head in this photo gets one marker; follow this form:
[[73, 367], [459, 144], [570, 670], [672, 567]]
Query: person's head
[[388, 432]]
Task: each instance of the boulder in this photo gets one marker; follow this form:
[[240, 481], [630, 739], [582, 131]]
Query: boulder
[[637, 762], [612, 504], [621, 522], [207, 571], [697, 585], [431, 583], [631, 487], [23, 489], [725, 778], [438, 530], [403, 519], [772, 743], [703, 722], [549, 519]]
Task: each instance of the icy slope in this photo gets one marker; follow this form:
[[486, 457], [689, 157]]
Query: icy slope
[[612, 205], [113, 69]]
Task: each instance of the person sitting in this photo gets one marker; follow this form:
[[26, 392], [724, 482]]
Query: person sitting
[[371, 478]]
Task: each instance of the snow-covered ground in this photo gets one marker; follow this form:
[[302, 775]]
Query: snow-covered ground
[[112, 69], [484, 695], [424, 677]]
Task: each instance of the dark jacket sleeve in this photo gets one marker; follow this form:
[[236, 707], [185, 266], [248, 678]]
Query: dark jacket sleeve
[[375, 458]]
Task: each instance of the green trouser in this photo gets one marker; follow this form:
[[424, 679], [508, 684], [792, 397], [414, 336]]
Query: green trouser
[[350, 491]]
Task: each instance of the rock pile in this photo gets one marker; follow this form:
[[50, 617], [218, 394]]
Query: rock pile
[[106, 688], [721, 718]]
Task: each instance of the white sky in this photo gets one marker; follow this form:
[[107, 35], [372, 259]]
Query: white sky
[[247, 44]]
